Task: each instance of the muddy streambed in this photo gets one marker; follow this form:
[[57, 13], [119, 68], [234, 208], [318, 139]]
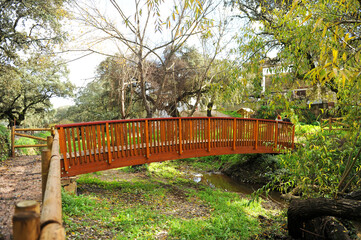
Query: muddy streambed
[[226, 183]]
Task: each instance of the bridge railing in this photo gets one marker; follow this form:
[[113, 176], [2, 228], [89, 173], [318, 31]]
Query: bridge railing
[[95, 146]]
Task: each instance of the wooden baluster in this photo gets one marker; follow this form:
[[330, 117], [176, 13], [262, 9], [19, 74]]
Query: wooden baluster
[[108, 143], [122, 138], [74, 145], [112, 140], [139, 138], [180, 136], [88, 142], [99, 145], [256, 135], [209, 134], [79, 146], [62, 141], [147, 139], [104, 144], [94, 145], [234, 133], [276, 134], [71, 158], [82, 131]]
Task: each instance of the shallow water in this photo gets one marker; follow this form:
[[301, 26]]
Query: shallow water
[[224, 182]]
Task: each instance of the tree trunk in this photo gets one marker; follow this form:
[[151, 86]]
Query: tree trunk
[[301, 211], [209, 109]]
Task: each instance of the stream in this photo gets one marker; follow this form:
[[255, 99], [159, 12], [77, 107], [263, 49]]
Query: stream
[[226, 183]]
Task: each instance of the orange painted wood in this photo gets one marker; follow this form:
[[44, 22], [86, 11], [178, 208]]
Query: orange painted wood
[[293, 137], [78, 138], [147, 139], [63, 151], [88, 142], [82, 133], [108, 143], [256, 127], [180, 136], [130, 142], [276, 134]]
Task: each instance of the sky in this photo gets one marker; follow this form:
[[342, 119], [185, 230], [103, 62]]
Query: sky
[[82, 71]]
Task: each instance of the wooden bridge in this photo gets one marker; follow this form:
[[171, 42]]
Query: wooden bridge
[[95, 146]]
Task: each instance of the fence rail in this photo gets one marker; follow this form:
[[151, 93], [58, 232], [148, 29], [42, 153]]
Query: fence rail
[[28, 222], [334, 124], [95, 146], [15, 132]]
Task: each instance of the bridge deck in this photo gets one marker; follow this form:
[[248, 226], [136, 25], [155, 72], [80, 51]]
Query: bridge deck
[[95, 146]]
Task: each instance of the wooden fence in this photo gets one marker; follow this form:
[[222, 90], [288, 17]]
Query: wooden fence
[[334, 124], [96, 146], [28, 223], [16, 132]]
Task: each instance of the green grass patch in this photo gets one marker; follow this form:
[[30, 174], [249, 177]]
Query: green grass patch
[[163, 203]]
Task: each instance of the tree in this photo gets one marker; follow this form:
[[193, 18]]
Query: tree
[[186, 19], [318, 41], [29, 24], [27, 88]]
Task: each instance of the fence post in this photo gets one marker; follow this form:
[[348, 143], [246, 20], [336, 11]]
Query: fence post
[[330, 124], [45, 163], [293, 137], [26, 221], [13, 141], [276, 133]]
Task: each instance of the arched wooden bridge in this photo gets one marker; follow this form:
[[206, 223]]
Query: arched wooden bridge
[[95, 146]]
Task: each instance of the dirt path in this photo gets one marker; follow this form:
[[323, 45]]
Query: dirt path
[[20, 179]]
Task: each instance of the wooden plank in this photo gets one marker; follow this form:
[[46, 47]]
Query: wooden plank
[[122, 138], [209, 134], [293, 137], [104, 138], [71, 158], [99, 144], [29, 136], [276, 134]]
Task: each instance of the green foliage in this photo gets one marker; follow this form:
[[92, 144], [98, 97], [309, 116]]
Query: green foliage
[[4, 142], [315, 168]]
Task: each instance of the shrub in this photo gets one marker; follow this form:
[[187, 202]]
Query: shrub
[[4, 143]]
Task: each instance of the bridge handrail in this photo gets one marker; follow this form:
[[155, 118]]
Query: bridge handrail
[[168, 118], [100, 145]]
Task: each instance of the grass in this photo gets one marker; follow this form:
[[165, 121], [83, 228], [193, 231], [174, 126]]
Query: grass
[[162, 203]]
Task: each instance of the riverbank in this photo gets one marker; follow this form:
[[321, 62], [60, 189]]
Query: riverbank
[[164, 202]]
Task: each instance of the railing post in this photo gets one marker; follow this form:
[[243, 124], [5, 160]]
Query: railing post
[[180, 136], [330, 124], [13, 141], [108, 144], [209, 134], [62, 143], [147, 139], [234, 134], [256, 135]]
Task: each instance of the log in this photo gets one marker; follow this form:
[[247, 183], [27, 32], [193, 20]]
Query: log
[[26, 225], [27, 206], [45, 162], [51, 211], [52, 231], [301, 211]]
